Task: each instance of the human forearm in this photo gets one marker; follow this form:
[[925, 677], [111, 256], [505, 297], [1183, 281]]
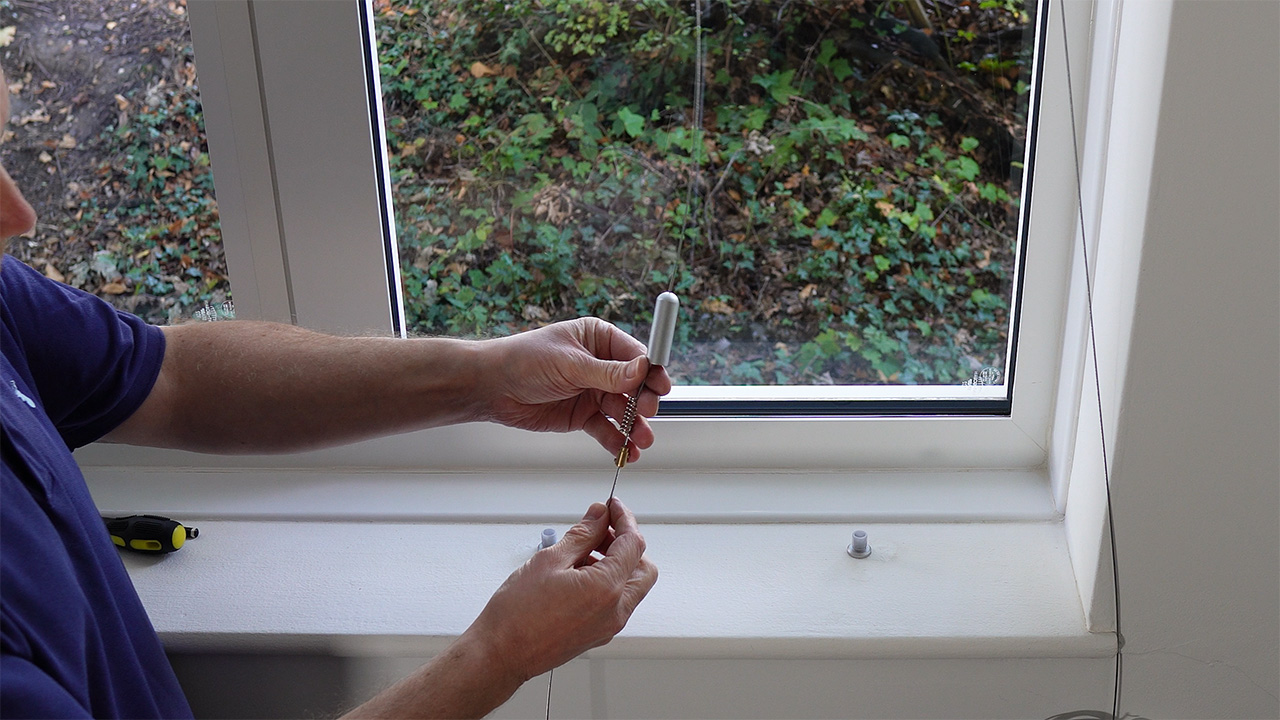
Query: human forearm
[[263, 387], [464, 681]]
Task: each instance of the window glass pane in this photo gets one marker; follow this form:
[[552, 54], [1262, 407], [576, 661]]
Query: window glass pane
[[107, 143], [833, 188]]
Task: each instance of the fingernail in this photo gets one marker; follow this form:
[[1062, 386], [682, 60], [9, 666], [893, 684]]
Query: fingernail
[[594, 512]]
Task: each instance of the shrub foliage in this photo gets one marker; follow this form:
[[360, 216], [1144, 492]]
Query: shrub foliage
[[835, 202]]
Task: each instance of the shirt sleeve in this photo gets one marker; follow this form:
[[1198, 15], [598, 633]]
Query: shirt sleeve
[[26, 692], [92, 364]]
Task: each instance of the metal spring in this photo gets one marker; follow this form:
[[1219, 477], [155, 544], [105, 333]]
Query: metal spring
[[628, 422]]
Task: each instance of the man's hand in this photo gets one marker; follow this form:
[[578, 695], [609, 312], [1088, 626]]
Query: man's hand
[[575, 375], [565, 600], [568, 598]]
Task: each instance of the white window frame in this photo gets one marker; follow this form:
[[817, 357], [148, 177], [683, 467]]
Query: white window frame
[[287, 115]]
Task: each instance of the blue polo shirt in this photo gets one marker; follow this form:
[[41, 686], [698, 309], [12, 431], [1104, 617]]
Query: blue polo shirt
[[75, 639]]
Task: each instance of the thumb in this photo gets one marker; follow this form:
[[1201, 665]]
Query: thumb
[[581, 539], [614, 376]]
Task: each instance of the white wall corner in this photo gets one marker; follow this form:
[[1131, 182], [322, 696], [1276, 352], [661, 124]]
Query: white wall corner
[[1087, 531]]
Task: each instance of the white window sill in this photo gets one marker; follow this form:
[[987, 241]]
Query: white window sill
[[400, 563]]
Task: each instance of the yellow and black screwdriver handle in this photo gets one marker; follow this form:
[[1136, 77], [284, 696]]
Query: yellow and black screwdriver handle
[[149, 533]]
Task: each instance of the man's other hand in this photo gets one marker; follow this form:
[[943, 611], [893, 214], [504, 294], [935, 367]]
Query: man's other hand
[[570, 597]]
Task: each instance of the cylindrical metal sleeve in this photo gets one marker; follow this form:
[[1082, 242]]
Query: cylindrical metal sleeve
[[664, 328]]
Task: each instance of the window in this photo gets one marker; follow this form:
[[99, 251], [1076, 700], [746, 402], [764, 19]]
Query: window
[[322, 216], [307, 218], [835, 193], [108, 145]]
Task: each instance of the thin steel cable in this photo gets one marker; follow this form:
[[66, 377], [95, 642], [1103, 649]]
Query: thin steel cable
[[1093, 345], [629, 415], [550, 676], [699, 84], [628, 422]]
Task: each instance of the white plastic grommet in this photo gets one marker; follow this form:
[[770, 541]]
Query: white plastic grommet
[[548, 537], [859, 548]]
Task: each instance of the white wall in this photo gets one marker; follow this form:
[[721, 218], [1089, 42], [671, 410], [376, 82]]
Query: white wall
[[1196, 458]]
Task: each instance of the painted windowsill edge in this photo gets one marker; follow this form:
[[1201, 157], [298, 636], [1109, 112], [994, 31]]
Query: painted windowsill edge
[[397, 564], [497, 496]]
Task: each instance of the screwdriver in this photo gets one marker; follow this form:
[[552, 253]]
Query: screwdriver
[[149, 533]]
